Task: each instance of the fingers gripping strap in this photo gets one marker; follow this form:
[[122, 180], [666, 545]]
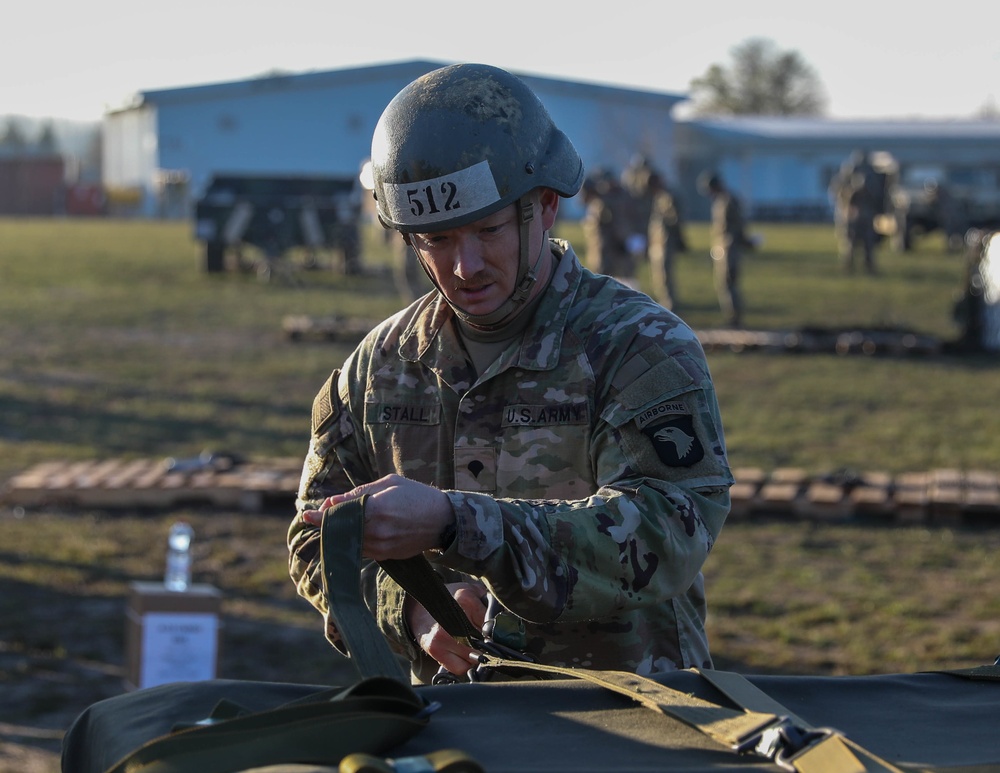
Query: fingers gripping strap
[[340, 537]]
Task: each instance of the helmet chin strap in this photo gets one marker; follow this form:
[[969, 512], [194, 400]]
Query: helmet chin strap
[[526, 277]]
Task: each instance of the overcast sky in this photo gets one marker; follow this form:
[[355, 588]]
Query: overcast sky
[[875, 59]]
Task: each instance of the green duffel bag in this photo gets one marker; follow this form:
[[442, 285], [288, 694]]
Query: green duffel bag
[[563, 720]]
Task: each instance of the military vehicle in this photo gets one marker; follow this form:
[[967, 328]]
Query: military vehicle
[[951, 200], [259, 219]]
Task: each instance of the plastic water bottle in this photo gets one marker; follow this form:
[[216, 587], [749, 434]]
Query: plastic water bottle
[[178, 574]]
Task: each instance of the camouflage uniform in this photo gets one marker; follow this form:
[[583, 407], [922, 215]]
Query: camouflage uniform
[[665, 240], [586, 468], [728, 242], [607, 225]]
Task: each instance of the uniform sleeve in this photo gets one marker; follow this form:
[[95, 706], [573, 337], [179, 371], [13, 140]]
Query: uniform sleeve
[[659, 458]]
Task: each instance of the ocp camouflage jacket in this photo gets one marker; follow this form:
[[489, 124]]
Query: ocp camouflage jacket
[[586, 468]]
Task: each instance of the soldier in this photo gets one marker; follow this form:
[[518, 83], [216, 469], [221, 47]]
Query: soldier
[[855, 206], [728, 242], [608, 224], [637, 179], [549, 437], [665, 239]]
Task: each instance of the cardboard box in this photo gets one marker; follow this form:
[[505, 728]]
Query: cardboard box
[[171, 636]]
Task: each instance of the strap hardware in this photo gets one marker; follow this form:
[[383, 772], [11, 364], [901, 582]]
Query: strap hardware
[[782, 742]]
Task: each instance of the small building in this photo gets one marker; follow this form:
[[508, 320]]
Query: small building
[[160, 153], [32, 184], [782, 167]]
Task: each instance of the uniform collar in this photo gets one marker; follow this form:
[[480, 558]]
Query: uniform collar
[[431, 338]]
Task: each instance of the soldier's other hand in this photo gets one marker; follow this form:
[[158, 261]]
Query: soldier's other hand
[[402, 517], [435, 641]]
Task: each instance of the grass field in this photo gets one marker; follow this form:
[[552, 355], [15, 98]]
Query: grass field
[[116, 343]]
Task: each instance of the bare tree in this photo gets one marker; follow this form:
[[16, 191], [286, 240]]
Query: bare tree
[[761, 80]]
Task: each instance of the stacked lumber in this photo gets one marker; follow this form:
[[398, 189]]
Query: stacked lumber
[[945, 496], [816, 340], [155, 483]]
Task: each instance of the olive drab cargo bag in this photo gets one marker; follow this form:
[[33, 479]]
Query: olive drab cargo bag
[[565, 720]]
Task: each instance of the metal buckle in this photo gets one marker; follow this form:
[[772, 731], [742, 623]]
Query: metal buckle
[[782, 742]]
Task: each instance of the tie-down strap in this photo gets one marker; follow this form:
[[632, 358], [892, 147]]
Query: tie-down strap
[[761, 726]]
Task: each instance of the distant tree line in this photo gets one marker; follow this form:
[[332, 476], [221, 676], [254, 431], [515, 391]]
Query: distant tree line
[[17, 139], [78, 142]]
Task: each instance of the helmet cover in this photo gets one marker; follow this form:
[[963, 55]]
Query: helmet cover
[[463, 142]]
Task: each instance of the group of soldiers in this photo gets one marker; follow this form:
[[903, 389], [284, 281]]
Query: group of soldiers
[[634, 217], [630, 218], [637, 217]]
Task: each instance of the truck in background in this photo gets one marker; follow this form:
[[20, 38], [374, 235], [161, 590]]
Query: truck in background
[[253, 222]]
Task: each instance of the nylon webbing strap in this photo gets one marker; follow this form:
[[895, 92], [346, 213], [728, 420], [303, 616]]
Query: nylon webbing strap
[[340, 545], [734, 728], [730, 727], [743, 692], [418, 578]]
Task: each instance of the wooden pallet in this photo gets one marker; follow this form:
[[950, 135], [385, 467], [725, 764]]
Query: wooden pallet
[[299, 327], [943, 497], [866, 342], [155, 483]]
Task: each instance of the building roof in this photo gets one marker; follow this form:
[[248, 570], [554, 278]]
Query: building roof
[[407, 70], [779, 129]]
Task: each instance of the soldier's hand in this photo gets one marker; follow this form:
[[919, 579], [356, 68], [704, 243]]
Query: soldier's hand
[[435, 641], [403, 518]]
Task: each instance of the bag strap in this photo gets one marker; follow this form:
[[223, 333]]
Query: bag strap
[[340, 551], [372, 716], [761, 725]]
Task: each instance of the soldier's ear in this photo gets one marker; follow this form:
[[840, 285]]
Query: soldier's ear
[[548, 201]]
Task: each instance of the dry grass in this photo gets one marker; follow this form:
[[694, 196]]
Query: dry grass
[[116, 344]]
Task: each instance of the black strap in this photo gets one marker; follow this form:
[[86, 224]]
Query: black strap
[[418, 578]]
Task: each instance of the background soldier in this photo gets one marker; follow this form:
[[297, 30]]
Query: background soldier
[[666, 240], [608, 224], [728, 242], [856, 203]]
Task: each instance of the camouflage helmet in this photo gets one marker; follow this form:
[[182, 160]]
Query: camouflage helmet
[[463, 142]]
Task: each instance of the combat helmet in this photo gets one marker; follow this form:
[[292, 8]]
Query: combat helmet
[[461, 143]]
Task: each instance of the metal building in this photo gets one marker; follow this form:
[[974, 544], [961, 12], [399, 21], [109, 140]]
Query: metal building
[[160, 153], [782, 167]]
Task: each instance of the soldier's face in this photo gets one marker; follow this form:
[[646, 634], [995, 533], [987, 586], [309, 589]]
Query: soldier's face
[[475, 266]]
